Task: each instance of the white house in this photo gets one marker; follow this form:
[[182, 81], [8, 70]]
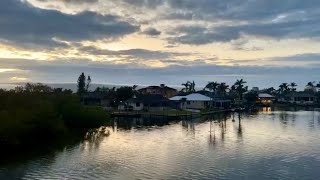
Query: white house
[[193, 101], [300, 98]]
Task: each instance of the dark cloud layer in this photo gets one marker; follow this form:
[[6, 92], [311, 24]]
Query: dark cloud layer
[[151, 32], [137, 54], [67, 70], [23, 24], [285, 19]]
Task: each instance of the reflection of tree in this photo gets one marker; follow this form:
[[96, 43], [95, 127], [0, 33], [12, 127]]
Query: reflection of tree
[[293, 119], [283, 117], [212, 140], [318, 119], [311, 121], [239, 133], [94, 137], [189, 126]]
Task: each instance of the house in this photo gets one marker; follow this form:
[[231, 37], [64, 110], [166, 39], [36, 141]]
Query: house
[[163, 90], [98, 99], [145, 102], [300, 98], [265, 99], [216, 100], [193, 101]]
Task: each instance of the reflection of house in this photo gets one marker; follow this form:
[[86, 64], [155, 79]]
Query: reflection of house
[[300, 98], [265, 99], [145, 102], [98, 99], [163, 90], [193, 101]]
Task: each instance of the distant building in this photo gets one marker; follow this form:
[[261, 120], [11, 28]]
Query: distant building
[[216, 100], [300, 98], [200, 101], [163, 90], [145, 102], [265, 99], [98, 99]]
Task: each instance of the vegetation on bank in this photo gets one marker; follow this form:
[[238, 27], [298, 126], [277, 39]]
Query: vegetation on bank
[[37, 114]]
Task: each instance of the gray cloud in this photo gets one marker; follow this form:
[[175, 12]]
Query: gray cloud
[[67, 70], [136, 54], [23, 24], [308, 57], [73, 1], [151, 32], [199, 34], [286, 19]]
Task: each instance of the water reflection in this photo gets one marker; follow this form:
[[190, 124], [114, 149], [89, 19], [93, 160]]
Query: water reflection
[[268, 145]]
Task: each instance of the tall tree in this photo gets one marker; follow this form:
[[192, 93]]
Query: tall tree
[[88, 83], [81, 84], [124, 93], [283, 88], [212, 86], [222, 88], [293, 86], [310, 87], [188, 87], [240, 88]]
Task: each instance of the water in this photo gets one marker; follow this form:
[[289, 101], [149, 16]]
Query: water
[[265, 145]]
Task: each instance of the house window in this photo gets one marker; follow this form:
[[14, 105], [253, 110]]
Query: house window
[[188, 102], [137, 104]]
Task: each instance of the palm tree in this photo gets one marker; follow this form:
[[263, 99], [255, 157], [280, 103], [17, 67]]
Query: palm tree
[[293, 86], [188, 87], [283, 88], [193, 86], [222, 88], [212, 86], [270, 90], [311, 87], [311, 84], [240, 88]]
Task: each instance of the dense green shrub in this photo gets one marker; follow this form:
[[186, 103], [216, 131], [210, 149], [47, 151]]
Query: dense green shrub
[[39, 117]]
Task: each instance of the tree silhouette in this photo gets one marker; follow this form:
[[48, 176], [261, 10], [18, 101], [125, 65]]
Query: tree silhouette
[[222, 89], [240, 88], [81, 84], [293, 86], [212, 86], [88, 83]]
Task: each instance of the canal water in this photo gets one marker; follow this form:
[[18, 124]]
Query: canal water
[[264, 145]]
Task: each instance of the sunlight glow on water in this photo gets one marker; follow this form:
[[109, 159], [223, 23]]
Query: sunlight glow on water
[[267, 145]]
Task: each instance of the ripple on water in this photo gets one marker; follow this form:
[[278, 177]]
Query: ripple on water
[[263, 147]]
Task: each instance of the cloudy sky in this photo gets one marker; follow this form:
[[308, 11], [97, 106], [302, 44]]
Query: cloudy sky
[[266, 42]]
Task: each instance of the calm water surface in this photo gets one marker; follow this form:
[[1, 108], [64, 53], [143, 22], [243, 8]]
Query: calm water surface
[[265, 145]]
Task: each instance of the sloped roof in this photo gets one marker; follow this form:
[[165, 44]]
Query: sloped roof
[[192, 97], [265, 95], [157, 87]]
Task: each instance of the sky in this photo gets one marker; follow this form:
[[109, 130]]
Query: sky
[[149, 42]]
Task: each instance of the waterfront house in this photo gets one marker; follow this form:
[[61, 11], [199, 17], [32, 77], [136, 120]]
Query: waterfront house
[[163, 90], [265, 99], [98, 99], [217, 101], [145, 102], [300, 98], [193, 101]]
